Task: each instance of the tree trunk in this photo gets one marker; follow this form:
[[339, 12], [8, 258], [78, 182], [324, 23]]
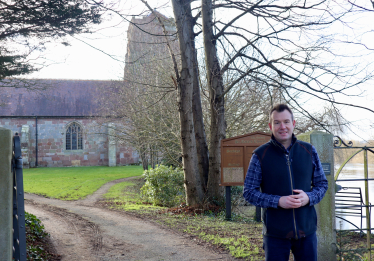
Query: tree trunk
[[184, 22], [201, 144], [152, 156], [215, 84], [143, 156]]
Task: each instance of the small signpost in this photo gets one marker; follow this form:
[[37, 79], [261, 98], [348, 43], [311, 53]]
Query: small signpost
[[326, 168], [236, 152]]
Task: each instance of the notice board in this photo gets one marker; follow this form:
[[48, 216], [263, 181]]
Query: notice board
[[236, 152]]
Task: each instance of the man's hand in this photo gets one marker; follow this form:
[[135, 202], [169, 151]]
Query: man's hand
[[302, 196], [294, 201]]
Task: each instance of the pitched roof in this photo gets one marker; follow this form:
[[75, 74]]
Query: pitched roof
[[50, 97]]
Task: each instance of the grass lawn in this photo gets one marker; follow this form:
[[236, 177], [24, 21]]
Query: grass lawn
[[73, 183]]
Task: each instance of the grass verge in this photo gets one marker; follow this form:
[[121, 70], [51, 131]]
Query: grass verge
[[126, 196], [73, 183]]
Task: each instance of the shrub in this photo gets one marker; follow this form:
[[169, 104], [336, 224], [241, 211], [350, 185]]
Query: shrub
[[35, 228], [163, 186], [34, 238]]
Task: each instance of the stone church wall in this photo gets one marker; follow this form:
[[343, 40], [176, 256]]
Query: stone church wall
[[52, 143]]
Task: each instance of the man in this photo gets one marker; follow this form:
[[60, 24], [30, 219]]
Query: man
[[290, 176]]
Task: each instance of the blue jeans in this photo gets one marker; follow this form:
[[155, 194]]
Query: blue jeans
[[303, 249]]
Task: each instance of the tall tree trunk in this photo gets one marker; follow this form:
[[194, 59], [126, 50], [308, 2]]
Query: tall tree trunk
[[215, 84], [201, 144], [184, 22], [143, 156], [152, 156]]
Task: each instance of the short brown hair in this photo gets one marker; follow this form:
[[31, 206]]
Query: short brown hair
[[279, 108]]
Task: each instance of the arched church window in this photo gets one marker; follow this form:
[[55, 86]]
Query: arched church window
[[74, 137]]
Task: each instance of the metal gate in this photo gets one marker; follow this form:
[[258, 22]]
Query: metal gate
[[19, 230], [349, 201]]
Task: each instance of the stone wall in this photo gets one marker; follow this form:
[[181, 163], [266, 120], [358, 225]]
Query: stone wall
[[51, 143]]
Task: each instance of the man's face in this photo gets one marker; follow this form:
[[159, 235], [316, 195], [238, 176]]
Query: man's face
[[282, 127]]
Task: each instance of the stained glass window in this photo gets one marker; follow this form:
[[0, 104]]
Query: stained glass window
[[74, 137]]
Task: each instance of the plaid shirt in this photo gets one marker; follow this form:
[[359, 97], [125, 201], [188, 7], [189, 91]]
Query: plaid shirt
[[254, 177]]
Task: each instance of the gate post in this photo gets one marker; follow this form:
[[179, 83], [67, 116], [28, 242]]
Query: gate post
[[323, 142], [6, 195]]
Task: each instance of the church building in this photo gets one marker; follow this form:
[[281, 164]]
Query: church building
[[61, 122], [60, 125]]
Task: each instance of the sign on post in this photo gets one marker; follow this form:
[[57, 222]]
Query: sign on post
[[326, 168], [236, 152]]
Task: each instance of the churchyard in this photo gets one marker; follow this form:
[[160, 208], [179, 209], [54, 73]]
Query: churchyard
[[240, 236]]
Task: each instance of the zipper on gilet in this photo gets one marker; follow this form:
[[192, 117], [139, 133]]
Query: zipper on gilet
[[293, 210]]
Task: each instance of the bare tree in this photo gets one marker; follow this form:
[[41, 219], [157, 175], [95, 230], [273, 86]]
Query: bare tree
[[277, 50], [286, 47]]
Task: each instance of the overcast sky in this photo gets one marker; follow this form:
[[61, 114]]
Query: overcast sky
[[100, 57], [97, 56]]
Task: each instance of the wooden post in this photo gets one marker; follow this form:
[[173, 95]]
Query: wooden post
[[258, 214], [6, 195], [228, 202]]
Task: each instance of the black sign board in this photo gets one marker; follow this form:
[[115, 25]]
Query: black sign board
[[326, 168]]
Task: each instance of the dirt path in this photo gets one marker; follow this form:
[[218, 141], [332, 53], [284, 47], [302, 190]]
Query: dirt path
[[82, 231]]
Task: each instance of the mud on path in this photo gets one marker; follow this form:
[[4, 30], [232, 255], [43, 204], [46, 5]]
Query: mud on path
[[80, 230]]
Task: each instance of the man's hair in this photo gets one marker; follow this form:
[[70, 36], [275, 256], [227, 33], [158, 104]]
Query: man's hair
[[279, 108]]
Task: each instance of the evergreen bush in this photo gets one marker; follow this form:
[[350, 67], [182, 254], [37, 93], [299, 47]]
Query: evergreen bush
[[164, 186]]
